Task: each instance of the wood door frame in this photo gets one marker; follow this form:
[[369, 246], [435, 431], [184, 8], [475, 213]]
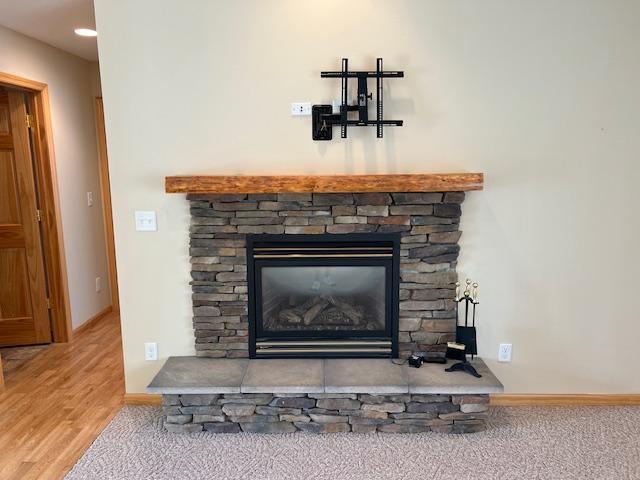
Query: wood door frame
[[105, 189], [47, 184], [1, 375]]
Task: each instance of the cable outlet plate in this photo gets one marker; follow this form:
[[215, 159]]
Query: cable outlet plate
[[301, 109]]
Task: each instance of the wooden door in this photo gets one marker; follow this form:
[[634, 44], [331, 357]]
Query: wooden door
[[24, 316]]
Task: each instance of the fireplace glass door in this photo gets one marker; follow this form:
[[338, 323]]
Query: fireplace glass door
[[322, 299], [325, 300]]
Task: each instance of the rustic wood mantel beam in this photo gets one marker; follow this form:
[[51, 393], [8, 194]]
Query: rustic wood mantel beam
[[426, 182]]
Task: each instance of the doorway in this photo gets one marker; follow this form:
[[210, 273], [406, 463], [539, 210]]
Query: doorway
[[24, 298], [34, 300]]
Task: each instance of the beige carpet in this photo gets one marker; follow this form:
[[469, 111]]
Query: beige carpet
[[522, 443]]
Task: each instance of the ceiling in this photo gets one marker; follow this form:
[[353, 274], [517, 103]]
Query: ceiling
[[53, 22]]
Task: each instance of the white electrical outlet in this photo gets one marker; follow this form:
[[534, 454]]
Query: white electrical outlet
[[98, 284], [150, 351], [504, 352], [300, 109], [146, 221], [89, 199]]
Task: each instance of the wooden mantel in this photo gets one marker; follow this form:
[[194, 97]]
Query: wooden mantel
[[425, 182]]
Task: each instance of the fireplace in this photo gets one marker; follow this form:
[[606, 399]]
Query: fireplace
[[323, 295], [340, 266]]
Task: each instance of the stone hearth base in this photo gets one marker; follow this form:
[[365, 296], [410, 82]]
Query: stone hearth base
[[324, 413]]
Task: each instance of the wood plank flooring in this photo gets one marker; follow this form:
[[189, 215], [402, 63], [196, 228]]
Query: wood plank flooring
[[54, 407]]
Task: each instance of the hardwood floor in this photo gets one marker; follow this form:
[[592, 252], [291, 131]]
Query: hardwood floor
[[55, 406]]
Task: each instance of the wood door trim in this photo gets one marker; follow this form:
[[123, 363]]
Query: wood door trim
[[52, 222], [105, 189], [15, 81]]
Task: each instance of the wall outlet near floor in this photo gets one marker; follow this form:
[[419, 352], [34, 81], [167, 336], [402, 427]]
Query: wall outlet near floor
[[504, 352], [98, 284], [300, 109], [150, 351]]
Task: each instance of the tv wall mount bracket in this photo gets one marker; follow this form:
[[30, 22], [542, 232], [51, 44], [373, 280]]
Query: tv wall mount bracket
[[323, 118]]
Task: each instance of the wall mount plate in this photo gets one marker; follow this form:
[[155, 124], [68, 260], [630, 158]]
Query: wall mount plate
[[320, 129], [326, 118]]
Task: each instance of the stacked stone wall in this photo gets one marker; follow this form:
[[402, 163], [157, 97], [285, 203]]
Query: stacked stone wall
[[427, 222], [325, 413]]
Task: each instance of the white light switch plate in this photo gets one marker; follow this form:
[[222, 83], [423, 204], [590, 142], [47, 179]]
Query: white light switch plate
[[146, 221], [89, 199], [504, 352], [150, 351], [300, 109]]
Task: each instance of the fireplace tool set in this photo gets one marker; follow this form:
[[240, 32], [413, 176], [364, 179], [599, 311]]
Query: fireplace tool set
[[465, 343]]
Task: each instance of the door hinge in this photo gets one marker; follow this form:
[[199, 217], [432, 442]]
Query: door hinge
[[49, 304], [30, 120], [39, 215]]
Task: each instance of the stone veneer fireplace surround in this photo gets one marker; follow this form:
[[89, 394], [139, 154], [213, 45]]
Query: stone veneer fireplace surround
[[232, 394], [427, 222]]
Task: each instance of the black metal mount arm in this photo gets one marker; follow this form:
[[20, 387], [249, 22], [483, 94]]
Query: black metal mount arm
[[323, 118]]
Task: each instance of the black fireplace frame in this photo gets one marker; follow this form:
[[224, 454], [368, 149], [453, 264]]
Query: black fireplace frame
[[355, 244]]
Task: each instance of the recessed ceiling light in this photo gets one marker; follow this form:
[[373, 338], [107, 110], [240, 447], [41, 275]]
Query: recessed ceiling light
[[86, 32]]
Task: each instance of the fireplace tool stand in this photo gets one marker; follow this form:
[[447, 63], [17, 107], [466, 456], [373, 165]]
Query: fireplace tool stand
[[464, 367], [465, 335]]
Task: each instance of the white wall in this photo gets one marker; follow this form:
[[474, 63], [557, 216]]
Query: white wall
[[72, 89], [542, 96]]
